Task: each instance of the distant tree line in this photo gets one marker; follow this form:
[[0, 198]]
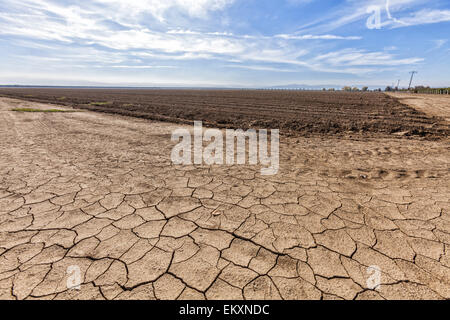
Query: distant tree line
[[355, 89], [422, 89], [417, 89]]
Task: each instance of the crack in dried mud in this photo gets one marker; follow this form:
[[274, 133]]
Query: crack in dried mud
[[100, 192]]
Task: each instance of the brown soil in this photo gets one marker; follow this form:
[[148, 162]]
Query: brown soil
[[431, 104], [100, 193], [293, 112]]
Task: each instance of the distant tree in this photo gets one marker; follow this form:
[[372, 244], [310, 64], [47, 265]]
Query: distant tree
[[388, 89], [331, 89], [355, 89], [347, 88], [365, 89]]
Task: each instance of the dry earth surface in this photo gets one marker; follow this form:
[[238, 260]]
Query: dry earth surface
[[99, 192], [434, 105]]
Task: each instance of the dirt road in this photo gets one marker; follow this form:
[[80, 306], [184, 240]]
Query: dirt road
[[95, 197], [431, 104]]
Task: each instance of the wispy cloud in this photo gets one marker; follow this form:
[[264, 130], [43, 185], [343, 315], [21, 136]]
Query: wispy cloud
[[424, 16], [317, 37], [440, 43], [355, 57], [159, 8], [261, 68], [140, 67]]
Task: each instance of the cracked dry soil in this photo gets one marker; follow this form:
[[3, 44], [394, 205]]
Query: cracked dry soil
[[99, 192]]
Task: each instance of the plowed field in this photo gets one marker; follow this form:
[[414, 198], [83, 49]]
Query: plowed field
[[293, 112]]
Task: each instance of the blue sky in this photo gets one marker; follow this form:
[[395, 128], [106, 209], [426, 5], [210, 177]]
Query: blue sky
[[249, 43]]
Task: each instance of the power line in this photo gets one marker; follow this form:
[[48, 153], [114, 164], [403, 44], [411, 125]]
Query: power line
[[412, 76]]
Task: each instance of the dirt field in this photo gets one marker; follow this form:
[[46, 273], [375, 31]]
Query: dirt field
[[434, 105], [301, 113], [98, 192]]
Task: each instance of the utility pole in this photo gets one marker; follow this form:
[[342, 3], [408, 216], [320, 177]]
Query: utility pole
[[412, 76]]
